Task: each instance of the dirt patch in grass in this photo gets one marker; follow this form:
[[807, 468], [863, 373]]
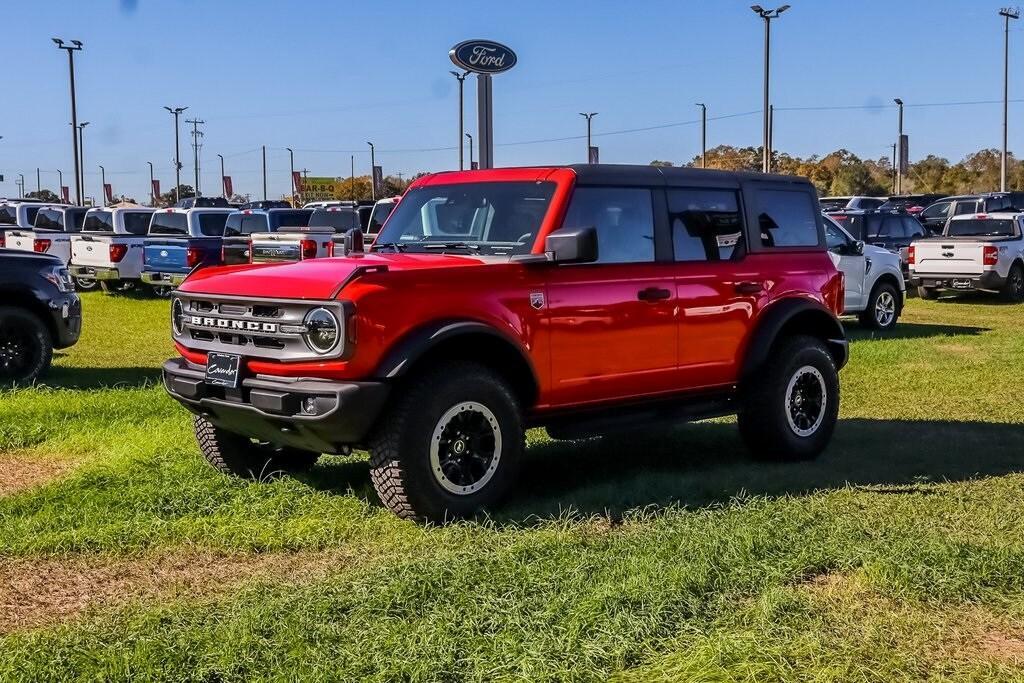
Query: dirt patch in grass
[[20, 472], [39, 591], [1002, 647]]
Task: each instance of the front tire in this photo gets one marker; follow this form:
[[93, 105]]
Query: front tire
[[927, 293], [789, 410], [238, 456], [26, 348], [451, 445], [1013, 290], [883, 308]]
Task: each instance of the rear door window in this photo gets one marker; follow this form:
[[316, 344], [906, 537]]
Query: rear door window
[[912, 227], [963, 208], [254, 222], [706, 224], [49, 219], [136, 222], [623, 219], [167, 223], [98, 221], [212, 224], [937, 210], [787, 218], [892, 228]]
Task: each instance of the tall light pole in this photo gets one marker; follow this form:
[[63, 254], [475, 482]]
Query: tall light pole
[[589, 117], [21, 186], [462, 126], [899, 142], [71, 49], [60, 183], [703, 134], [771, 135], [352, 175], [291, 172], [264, 173], [39, 184], [894, 168], [373, 173], [80, 172], [103, 185], [196, 134], [223, 185], [1007, 13], [767, 15], [470, 136], [152, 194], [176, 112]]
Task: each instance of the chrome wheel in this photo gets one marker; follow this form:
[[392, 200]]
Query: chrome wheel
[[885, 308], [465, 448], [806, 400]]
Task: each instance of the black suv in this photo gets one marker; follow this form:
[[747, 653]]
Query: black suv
[[938, 214], [890, 230], [911, 203], [39, 311]]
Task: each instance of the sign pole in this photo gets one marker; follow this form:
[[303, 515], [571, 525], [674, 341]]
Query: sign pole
[[485, 120]]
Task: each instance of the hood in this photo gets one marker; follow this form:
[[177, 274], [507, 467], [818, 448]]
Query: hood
[[316, 278], [881, 255]]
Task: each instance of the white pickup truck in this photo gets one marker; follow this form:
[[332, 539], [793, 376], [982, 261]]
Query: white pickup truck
[[17, 215], [109, 248], [975, 252], [51, 233], [324, 234]]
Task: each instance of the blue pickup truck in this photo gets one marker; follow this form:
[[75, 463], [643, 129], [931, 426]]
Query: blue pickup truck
[[180, 241]]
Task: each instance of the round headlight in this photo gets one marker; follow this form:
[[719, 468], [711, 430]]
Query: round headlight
[[177, 313], [322, 331]]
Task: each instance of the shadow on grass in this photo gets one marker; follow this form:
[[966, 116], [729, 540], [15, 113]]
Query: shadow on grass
[[100, 378], [701, 465], [912, 331]]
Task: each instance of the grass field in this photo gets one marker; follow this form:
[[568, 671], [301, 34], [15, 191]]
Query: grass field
[[670, 556]]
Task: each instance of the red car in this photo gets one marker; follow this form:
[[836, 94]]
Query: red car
[[582, 299]]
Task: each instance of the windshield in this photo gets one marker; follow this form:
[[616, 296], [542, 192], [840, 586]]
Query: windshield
[[341, 220], [981, 227], [381, 211], [136, 222], [49, 219], [502, 217], [298, 218], [165, 223], [98, 221]]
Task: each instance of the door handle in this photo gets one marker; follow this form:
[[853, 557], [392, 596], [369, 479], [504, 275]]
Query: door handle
[[652, 294], [749, 287]]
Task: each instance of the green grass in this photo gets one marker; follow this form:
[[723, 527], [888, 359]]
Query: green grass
[[669, 556]]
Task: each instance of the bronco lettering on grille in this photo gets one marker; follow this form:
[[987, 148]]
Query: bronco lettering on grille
[[227, 324]]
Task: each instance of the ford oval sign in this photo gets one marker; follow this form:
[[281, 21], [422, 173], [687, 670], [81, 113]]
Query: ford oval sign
[[483, 56]]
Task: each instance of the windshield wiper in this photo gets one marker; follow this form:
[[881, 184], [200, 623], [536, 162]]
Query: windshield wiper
[[395, 246], [450, 245]]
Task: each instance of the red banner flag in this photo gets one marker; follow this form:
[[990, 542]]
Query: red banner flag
[[108, 190], [297, 179], [156, 189], [228, 189], [65, 193]]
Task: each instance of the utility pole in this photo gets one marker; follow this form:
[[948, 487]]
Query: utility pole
[[152, 195], [1007, 13], [703, 135], [352, 177], [21, 186], [176, 112], [373, 173], [264, 173], [899, 140], [60, 184], [589, 117], [291, 172], [771, 135], [894, 168], [305, 175], [767, 15], [39, 185], [223, 185], [196, 134], [80, 171], [468, 135], [71, 49], [462, 126], [103, 185]]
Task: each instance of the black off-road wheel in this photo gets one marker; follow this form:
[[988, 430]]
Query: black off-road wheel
[[928, 293], [883, 308], [1013, 290], [789, 409], [85, 284], [26, 348], [242, 457], [451, 444]]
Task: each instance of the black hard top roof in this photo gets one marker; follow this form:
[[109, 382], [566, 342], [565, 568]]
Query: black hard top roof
[[636, 174]]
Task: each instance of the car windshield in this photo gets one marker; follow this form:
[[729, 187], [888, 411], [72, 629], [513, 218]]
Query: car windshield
[[497, 218], [49, 219], [168, 223], [341, 220], [981, 227], [98, 221]]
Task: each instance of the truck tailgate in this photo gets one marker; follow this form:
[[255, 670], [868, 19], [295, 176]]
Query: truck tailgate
[[949, 257], [91, 250], [166, 255], [21, 239]]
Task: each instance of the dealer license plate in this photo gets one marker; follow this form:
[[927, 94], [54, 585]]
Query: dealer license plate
[[222, 369], [961, 284]]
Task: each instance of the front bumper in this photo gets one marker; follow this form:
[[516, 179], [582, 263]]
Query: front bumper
[[274, 408], [96, 273], [66, 320], [990, 280], [163, 279]]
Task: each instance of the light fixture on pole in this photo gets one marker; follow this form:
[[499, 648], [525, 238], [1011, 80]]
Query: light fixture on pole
[[470, 136], [899, 142], [767, 15], [74, 46], [81, 155], [462, 126], [176, 112], [703, 134], [589, 117], [1007, 13], [223, 185]]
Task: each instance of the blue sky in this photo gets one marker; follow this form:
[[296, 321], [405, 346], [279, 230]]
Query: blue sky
[[325, 77]]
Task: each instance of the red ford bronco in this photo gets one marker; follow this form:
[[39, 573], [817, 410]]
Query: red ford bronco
[[582, 299]]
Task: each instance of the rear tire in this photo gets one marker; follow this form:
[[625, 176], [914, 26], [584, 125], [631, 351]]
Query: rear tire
[[1013, 290], [883, 308], [162, 291], [239, 456], [451, 444], [789, 409], [26, 348], [927, 293], [85, 284]]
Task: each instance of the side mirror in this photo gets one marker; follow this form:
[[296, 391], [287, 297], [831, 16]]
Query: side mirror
[[857, 248], [353, 241], [572, 245]]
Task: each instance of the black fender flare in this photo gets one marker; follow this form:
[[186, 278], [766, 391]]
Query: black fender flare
[[414, 345], [821, 321]]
